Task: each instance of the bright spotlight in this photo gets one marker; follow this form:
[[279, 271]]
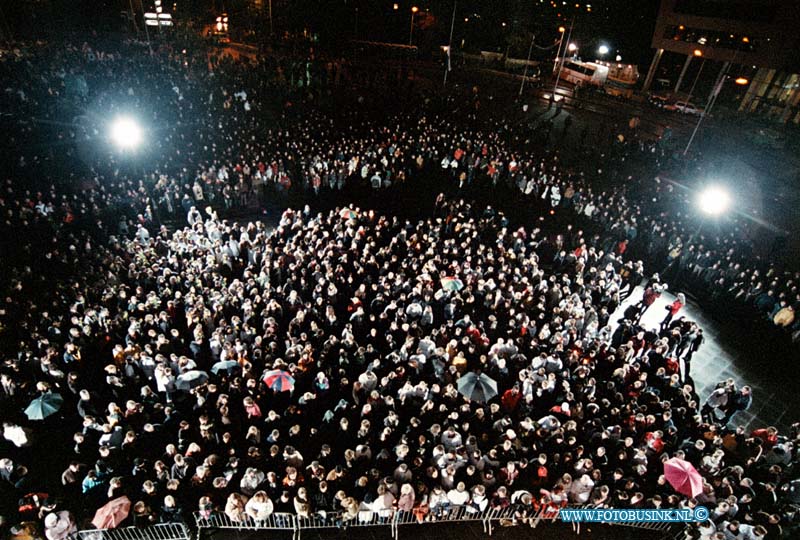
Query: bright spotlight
[[572, 47], [602, 50], [126, 133], [714, 200]]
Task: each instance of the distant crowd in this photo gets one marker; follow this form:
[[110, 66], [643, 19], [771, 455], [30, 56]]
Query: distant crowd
[[169, 330]]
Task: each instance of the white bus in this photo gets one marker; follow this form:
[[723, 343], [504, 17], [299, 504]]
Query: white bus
[[583, 73]]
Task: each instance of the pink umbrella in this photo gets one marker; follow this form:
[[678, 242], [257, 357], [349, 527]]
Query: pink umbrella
[[682, 476], [113, 513]]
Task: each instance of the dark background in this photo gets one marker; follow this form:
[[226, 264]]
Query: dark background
[[625, 26]]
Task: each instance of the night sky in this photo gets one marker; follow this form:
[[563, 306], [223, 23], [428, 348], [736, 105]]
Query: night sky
[[623, 25]]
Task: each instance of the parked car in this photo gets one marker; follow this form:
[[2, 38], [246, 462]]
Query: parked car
[[658, 100], [684, 107]]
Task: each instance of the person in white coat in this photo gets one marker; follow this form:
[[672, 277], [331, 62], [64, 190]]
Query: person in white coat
[[59, 525], [259, 507]]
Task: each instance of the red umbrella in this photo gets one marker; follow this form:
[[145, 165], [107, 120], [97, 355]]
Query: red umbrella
[[682, 476], [112, 513]]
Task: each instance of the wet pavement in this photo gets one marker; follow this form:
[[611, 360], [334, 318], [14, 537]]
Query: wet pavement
[[775, 400]]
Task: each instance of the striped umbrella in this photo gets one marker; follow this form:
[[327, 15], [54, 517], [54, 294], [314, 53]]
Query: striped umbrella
[[347, 213], [279, 380]]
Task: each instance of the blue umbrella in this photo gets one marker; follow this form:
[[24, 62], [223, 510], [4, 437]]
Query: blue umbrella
[[44, 406], [452, 284], [228, 366]]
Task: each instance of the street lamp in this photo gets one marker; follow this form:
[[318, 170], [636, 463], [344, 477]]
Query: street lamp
[[572, 47], [602, 50], [561, 31], [414, 10], [713, 200], [126, 133]]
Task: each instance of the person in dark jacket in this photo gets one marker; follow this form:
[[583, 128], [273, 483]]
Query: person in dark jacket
[[171, 512]]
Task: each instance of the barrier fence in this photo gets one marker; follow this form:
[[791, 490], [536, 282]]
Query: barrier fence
[[394, 520], [163, 531]]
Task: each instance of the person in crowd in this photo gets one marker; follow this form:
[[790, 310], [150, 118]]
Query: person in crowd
[[192, 358]]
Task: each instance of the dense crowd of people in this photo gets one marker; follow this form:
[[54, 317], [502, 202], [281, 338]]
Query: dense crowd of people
[[162, 324]]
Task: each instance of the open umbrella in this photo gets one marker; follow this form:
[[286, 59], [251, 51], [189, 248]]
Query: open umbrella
[[347, 213], [191, 379], [477, 387], [682, 476], [452, 284], [279, 380], [112, 513], [43, 406], [228, 366]]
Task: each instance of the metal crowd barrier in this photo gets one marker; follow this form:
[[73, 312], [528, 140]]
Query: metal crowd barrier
[[317, 521], [218, 520], [393, 519], [163, 531]]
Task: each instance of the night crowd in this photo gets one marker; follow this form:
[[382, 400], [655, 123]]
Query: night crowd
[[131, 292]]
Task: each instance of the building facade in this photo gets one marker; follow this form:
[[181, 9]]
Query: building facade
[[756, 36]]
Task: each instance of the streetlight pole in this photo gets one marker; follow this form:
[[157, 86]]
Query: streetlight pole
[[133, 19], [712, 99], [694, 84], [561, 29], [450, 43], [527, 62], [270, 19], [411, 32], [147, 33], [563, 60], [683, 72]]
